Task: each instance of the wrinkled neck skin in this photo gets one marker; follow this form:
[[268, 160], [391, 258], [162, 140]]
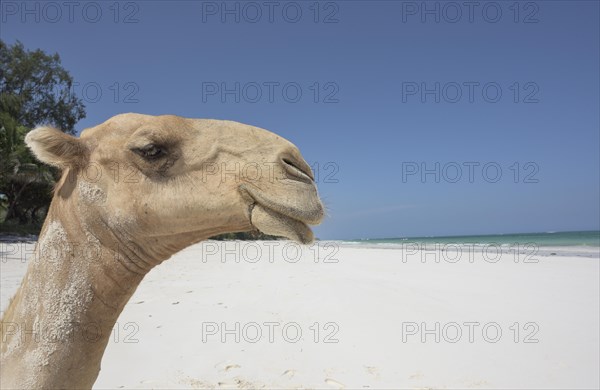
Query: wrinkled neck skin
[[56, 328]]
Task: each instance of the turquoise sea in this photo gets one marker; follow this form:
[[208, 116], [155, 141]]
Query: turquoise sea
[[549, 239]]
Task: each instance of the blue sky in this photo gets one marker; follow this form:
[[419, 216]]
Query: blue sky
[[370, 131]]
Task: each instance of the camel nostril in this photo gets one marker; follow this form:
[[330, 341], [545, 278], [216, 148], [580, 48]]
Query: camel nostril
[[298, 169]]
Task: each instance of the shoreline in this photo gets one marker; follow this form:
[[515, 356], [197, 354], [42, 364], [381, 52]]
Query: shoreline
[[532, 248]]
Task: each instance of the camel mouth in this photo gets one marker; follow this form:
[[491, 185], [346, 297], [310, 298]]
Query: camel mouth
[[284, 220], [274, 223]]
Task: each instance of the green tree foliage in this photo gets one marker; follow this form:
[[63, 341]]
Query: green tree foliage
[[251, 235], [34, 89]]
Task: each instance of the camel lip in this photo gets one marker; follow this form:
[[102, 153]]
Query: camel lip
[[288, 227], [255, 197], [283, 216]]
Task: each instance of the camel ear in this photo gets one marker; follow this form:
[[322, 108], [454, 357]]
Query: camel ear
[[54, 147]]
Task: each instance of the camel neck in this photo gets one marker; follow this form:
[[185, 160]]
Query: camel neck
[[57, 326]]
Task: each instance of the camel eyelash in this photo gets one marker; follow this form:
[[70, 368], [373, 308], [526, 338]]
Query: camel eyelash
[[150, 151]]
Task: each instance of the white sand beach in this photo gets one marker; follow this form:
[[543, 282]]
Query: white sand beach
[[256, 315]]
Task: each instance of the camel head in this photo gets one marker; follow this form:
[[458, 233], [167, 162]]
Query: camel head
[[166, 182]]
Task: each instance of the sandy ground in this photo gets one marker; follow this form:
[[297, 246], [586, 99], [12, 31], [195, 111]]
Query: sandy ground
[[265, 315]]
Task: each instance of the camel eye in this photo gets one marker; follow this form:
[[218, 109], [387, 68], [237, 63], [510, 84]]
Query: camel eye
[[151, 151]]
